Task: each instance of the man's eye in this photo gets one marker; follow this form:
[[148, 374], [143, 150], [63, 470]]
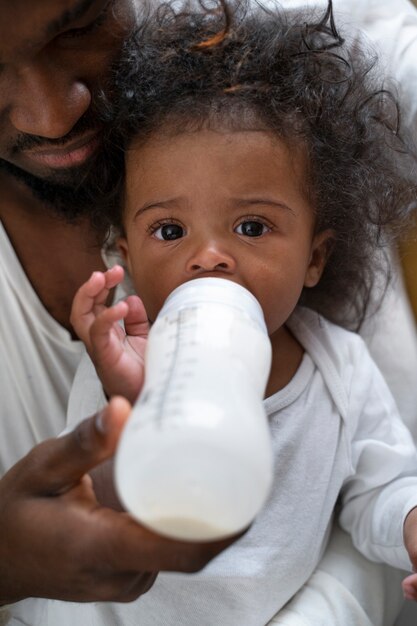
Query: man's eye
[[251, 228], [168, 232], [73, 33], [83, 31]]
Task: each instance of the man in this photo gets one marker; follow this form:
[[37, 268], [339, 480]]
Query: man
[[60, 543], [55, 540]]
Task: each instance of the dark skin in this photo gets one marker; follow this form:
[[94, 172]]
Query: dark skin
[[53, 54], [56, 540], [73, 247], [54, 524]]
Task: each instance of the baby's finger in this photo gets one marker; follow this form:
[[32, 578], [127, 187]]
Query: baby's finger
[[111, 278], [136, 320], [409, 586], [82, 311], [114, 276], [100, 331]]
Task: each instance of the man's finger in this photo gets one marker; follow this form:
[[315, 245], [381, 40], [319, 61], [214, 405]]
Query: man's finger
[[153, 551], [56, 464]]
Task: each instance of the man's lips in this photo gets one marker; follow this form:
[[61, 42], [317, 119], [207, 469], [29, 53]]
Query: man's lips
[[74, 153]]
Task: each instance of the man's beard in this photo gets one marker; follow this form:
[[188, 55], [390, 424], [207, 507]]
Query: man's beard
[[68, 201], [83, 189], [75, 192]]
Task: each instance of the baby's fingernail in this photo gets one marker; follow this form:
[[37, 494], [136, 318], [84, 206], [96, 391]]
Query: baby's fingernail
[[100, 424]]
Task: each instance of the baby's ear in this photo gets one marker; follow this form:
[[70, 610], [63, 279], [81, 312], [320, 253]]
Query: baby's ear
[[123, 248], [321, 249]]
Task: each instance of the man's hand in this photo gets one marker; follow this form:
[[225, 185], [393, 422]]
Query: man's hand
[[56, 541], [117, 352]]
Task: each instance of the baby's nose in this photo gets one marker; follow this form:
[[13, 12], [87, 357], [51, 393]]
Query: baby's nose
[[211, 257]]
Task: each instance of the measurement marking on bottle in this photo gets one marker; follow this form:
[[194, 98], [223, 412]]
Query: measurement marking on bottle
[[180, 342]]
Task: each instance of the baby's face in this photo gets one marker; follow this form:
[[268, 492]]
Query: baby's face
[[225, 204]]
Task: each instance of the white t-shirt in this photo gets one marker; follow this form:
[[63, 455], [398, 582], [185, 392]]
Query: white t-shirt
[[37, 365], [335, 430]]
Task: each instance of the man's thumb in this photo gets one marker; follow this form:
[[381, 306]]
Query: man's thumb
[[56, 464]]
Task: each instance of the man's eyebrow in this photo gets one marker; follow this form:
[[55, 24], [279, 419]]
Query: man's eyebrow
[[68, 16]]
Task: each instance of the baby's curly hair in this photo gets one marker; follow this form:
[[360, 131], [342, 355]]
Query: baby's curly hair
[[292, 73]]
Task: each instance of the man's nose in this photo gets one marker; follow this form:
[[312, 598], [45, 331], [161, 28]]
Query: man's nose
[[47, 106], [211, 256]]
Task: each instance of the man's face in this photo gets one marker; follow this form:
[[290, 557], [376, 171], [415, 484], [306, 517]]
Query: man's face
[[54, 55]]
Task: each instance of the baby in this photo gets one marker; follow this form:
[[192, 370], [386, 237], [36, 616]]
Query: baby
[[261, 150]]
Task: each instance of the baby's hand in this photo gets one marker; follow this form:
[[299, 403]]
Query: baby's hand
[[409, 584], [117, 353]]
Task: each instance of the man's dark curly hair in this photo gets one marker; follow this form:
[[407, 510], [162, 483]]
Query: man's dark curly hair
[[291, 73]]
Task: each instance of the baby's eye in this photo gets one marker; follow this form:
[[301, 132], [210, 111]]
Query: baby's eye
[[168, 232], [252, 228]]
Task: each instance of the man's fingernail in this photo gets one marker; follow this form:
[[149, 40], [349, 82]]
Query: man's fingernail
[[99, 423]]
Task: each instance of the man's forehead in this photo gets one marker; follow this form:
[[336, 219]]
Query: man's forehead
[[28, 24]]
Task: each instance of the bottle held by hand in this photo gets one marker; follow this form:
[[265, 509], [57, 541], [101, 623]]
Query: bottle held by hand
[[195, 459]]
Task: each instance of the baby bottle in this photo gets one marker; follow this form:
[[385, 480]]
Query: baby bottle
[[195, 459]]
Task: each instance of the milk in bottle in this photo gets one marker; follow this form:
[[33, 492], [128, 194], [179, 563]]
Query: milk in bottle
[[195, 460]]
